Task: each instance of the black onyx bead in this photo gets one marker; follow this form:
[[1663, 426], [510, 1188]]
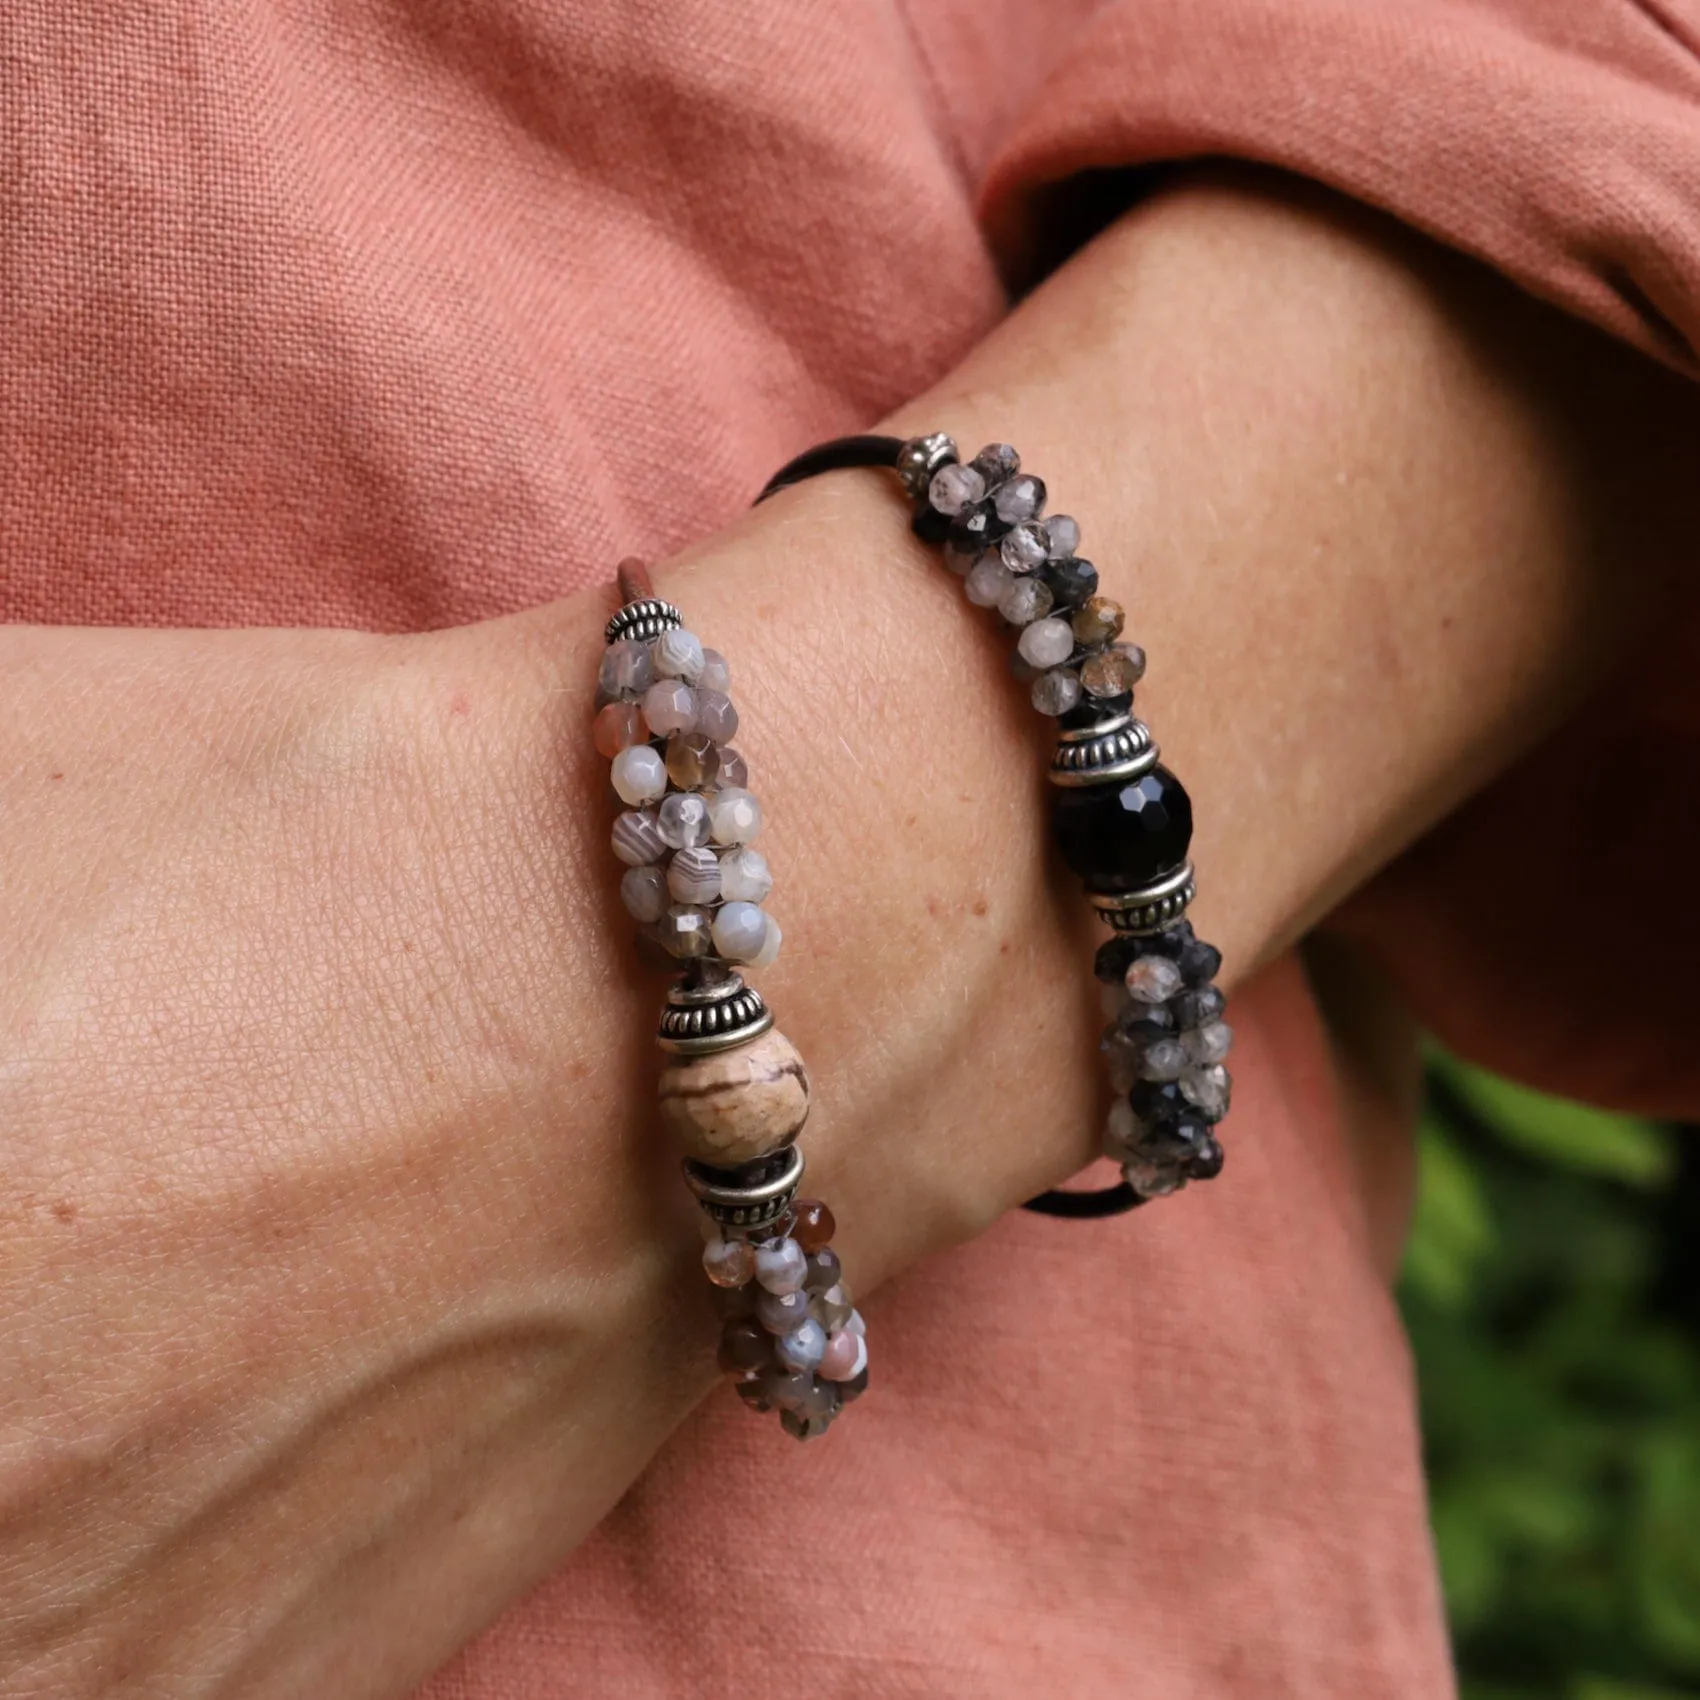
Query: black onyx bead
[[1095, 710], [1199, 963], [1122, 836], [1155, 1025], [1071, 581], [1195, 1009], [1177, 1141], [1170, 942]]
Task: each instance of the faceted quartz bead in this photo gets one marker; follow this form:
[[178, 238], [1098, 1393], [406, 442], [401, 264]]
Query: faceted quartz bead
[[1056, 692], [1209, 1088], [1209, 1044], [1152, 979], [637, 838], [729, 1263], [693, 876], [644, 893], [1122, 836], [1108, 675], [780, 1265], [668, 707], [744, 875], [683, 820], [734, 816], [1164, 1059], [832, 1308], [996, 462], [716, 717], [715, 674], [1046, 643], [678, 655], [617, 727], [639, 775], [1020, 498], [1098, 620], [1199, 1008], [954, 488], [1026, 547], [1135, 659], [1024, 601], [1062, 532], [987, 582], [740, 929], [684, 931]]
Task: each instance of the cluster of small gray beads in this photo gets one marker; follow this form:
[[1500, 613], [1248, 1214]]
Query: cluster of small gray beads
[[989, 515], [693, 881], [1165, 1048]]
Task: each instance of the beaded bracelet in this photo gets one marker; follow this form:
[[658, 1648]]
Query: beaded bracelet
[[1121, 822], [734, 1089]]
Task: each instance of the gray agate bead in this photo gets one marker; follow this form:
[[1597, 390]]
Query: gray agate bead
[[627, 669], [639, 775], [782, 1266], [803, 1348], [716, 673], [644, 893], [740, 931], [678, 654], [683, 820], [637, 839], [744, 875], [716, 717], [693, 876]]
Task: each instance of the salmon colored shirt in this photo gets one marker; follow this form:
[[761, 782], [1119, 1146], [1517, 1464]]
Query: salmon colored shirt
[[401, 314]]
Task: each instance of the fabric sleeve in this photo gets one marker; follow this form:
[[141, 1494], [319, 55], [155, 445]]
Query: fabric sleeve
[[1558, 140]]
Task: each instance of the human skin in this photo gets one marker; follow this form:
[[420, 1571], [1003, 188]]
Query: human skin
[[346, 1283]]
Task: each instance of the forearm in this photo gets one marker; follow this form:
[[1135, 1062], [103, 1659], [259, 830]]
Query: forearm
[[346, 1076]]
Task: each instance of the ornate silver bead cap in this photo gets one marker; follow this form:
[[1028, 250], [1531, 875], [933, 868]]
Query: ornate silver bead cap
[[1118, 748], [643, 620], [1149, 910], [700, 1020], [748, 1206], [920, 458]]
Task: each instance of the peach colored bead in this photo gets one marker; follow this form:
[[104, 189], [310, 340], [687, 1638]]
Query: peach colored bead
[[617, 727], [845, 1356]]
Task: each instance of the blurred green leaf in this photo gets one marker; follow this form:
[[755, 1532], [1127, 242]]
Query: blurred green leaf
[[1453, 1228], [1588, 1141], [1608, 1688], [1667, 1550]]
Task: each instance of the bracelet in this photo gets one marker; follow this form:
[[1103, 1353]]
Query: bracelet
[[1121, 821], [734, 1089]]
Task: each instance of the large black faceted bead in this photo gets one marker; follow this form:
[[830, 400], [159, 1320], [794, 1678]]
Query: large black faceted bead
[[1071, 581], [1124, 835]]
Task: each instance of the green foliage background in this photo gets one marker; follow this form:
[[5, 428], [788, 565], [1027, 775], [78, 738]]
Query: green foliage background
[[1553, 1300]]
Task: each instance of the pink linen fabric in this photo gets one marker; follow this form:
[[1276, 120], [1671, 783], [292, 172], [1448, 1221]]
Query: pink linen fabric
[[400, 313]]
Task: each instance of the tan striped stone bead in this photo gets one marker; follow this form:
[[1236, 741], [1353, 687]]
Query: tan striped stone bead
[[733, 1106]]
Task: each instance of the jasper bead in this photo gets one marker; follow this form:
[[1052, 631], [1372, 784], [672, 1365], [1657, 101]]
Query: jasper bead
[[1122, 836], [732, 1106], [812, 1225], [729, 1263]]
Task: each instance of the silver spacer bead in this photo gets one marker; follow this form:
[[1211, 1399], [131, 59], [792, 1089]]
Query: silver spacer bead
[[1118, 748], [700, 1020], [1149, 910], [643, 620], [748, 1206], [920, 458]]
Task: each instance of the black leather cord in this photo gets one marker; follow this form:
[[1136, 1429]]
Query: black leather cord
[[835, 456], [869, 450]]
